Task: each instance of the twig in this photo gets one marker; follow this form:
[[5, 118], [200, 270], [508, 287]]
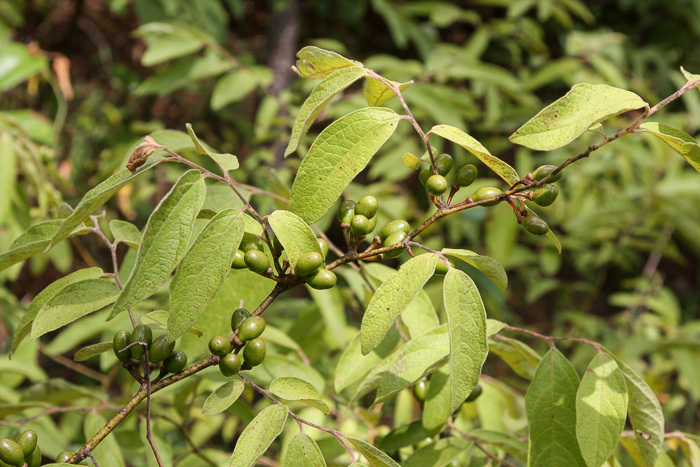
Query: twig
[[77, 367], [478, 445], [92, 458], [186, 433], [550, 339]]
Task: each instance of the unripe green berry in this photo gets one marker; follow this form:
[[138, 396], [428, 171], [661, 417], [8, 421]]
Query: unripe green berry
[[324, 246], [360, 226], [486, 193], [176, 362], [466, 175], [160, 349], [544, 196], [398, 225], [239, 260], [367, 206], [443, 164], [27, 441], [543, 171], [230, 364], [219, 345], [251, 328], [64, 456], [11, 452], [254, 352], [120, 341], [420, 389], [393, 239], [308, 263], [424, 175], [238, 317], [534, 225], [346, 211], [321, 279], [257, 261], [476, 392], [34, 458], [141, 333], [441, 268], [436, 185], [250, 242]]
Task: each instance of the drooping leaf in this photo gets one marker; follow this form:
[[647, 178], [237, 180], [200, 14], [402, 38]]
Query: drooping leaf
[[601, 409], [489, 266], [375, 457], [165, 238], [352, 365], [294, 234], [296, 389], [225, 161], [32, 242], [551, 412], [303, 452], [436, 407], [322, 94], [680, 141], [314, 62], [392, 297], [223, 397], [339, 153], [466, 319], [570, 116], [518, 355], [258, 435], [378, 93], [108, 451], [125, 232], [439, 453], [457, 136], [72, 302], [91, 351], [203, 270]]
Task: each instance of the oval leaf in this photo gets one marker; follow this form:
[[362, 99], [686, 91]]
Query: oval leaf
[[125, 232], [303, 452], [314, 62], [436, 408], [31, 242], [224, 396], [489, 266], [296, 389], [92, 350], [352, 365], [375, 457], [522, 359], [294, 234], [680, 141], [258, 435], [392, 297], [339, 153], [438, 454], [570, 116], [378, 93], [232, 87], [225, 161]]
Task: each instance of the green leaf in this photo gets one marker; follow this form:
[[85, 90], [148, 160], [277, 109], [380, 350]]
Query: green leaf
[[436, 408], [645, 414], [457, 136], [125, 232], [169, 41], [296, 389], [601, 408], [33, 241], [377, 93], [303, 452], [164, 240], [403, 436], [232, 87], [489, 266], [225, 161], [313, 62], [339, 153], [493, 327], [690, 76], [92, 350], [258, 435], [375, 457], [203, 270], [518, 355], [17, 64], [392, 297], [185, 71], [679, 141], [108, 451], [8, 173], [438, 454], [352, 365], [223, 397], [164, 447], [25, 324], [74, 301], [277, 366], [505, 441], [332, 308], [294, 234], [550, 403], [570, 116], [318, 99], [466, 318]]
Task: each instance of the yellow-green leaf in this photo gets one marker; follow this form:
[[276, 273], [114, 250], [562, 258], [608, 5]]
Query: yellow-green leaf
[[303, 452], [378, 93], [223, 397], [294, 234], [92, 350], [679, 141], [125, 232], [258, 435], [489, 266], [314, 62], [296, 389], [225, 161]]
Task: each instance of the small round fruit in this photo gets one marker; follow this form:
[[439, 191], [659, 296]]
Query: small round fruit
[[544, 196], [420, 389], [257, 261], [120, 341], [324, 246], [239, 260], [250, 242], [398, 225], [436, 185], [27, 441], [238, 317], [393, 239], [346, 211], [321, 279], [367, 206], [543, 171], [230, 364], [254, 352], [160, 349], [308, 263], [359, 225], [443, 163], [251, 328], [11, 452], [486, 193], [219, 345], [176, 362], [34, 458], [466, 175], [534, 225], [142, 333], [474, 395], [64, 456], [441, 268], [424, 175]]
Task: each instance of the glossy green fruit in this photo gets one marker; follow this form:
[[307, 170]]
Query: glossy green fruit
[[324, 246], [238, 317], [251, 328], [121, 340], [466, 175], [360, 226], [27, 441], [346, 211], [393, 239], [443, 163], [34, 458], [543, 171], [398, 225], [239, 260], [474, 395], [11, 453], [424, 175], [254, 352], [219, 345], [534, 225], [367, 206], [436, 185], [308, 263], [420, 389], [64, 456], [486, 193], [544, 196], [142, 333], [176, 362], [257, 261], [250, 242], [230, 364], [160, 349], [441, 268], [321, 279]]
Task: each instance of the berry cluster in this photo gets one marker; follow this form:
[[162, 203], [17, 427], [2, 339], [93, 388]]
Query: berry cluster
[[249, 330], [161, 353], [22, 451]]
